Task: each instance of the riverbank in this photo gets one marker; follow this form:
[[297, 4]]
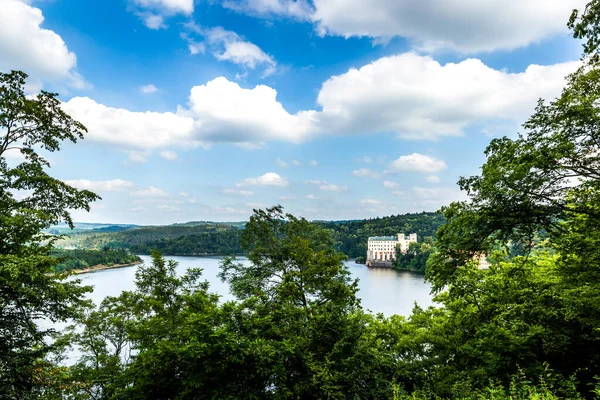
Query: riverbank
[[103, 267]]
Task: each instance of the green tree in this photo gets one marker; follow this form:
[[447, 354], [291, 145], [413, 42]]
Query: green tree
[[31, 200], [538, 193], [299, 309]]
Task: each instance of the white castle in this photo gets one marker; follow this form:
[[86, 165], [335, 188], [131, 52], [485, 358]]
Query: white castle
[[382, 249]]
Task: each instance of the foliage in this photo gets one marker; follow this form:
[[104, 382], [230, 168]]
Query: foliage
[[415, 258], [30, 201], [81, 259]]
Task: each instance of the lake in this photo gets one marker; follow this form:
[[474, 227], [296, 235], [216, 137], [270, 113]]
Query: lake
[[381, 290]]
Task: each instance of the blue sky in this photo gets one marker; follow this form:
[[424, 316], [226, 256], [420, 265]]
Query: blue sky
[[336, 109]]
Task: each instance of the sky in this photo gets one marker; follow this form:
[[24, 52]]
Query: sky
[[335, 109]]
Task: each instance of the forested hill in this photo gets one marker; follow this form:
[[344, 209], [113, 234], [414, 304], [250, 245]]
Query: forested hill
[[351, 236], [181, 239], [210, 238]]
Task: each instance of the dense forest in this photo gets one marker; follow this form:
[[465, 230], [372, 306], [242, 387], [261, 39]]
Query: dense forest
[[81, 259], [351, 237], [526, 328], [224, 242]]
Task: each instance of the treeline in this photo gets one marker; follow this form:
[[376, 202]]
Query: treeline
[[351, 237], [142, 238], [80, 259], [224, 242]]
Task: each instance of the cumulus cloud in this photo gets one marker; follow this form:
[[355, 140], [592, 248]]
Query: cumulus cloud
[[100, 186], [313, 163], [296, 9], [226, 112], [268, 179], [135, 130], [366, 173], [280, 163], [436, 100], [148, 89], [466, 26], [419, 163], [25, 45], [296, 163], [150, 191]]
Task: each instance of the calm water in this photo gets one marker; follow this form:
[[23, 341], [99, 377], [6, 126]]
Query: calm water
[[381, 290]]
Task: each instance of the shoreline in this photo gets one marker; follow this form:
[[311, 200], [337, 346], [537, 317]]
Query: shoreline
[[101, 267]]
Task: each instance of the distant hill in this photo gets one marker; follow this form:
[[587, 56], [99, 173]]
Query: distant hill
[[64, 229], [223, 238]]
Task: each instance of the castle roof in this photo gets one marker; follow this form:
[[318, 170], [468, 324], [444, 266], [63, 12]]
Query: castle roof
[[388, 238]]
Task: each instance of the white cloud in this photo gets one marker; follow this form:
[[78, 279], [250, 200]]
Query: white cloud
[[391, 185], [370, 202], [436, 100], [229, 46], [26, 46], [296, 163], [235, 192], [311, 197], [419, 163], [297, 9], [433, 179], [168, 155], [328, 187], [166, 207], [268, 179], [466, 26], [134, 130], [153, 12], [174, 6], [313, 163], [286, 198], [226, 112], [138, 156], [148, 89], [366, 173], [280, 163], [150, 191], [196, 48], [184, 194], [153, 21], [100, 186]]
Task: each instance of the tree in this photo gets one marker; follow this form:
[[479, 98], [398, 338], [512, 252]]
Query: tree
[[538, 194], [300, 312], [31, 200]]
